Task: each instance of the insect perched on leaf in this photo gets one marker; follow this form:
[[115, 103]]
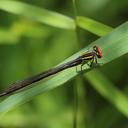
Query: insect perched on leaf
[[90, 56]]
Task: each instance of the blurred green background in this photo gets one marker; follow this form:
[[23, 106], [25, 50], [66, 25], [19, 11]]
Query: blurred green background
[[28, 47]]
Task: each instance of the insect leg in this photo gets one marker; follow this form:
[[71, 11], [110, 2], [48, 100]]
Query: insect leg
[[91, 62], [83, 63], [94, 62]]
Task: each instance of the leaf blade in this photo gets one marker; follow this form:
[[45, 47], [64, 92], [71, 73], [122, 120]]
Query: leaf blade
[[93, 26], [38, 14], [105, 43]]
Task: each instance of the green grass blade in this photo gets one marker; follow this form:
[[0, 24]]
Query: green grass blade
[[93, 26], [108, 112], [38, 14], [115, 42], [109, 91], [53, 18]]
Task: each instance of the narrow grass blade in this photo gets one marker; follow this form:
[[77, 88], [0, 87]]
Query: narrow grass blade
[[38, 14], [109, 91], [93, 26], [115, 42]]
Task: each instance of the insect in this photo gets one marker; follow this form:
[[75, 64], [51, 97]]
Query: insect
[[91, 57]]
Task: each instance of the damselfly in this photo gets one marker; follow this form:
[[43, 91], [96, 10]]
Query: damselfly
[[90, 57]]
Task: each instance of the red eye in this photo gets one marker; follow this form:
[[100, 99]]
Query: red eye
[[100, 52]]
